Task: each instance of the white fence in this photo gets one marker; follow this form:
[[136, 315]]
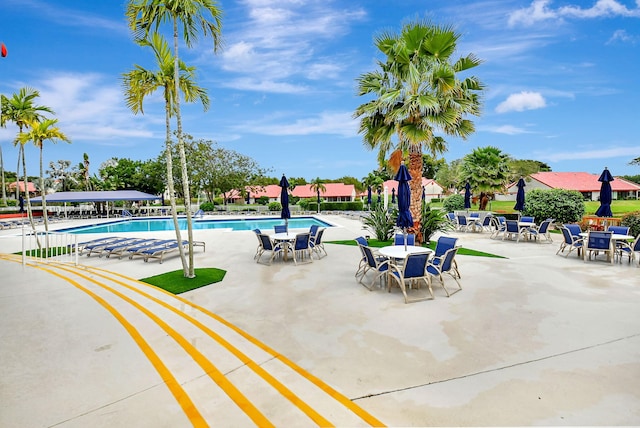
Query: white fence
[[49, 246]]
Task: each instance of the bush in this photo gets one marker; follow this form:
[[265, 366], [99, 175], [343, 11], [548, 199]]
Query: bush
[[633, 221], [218, 201], [453, 203], [275, 206], [565, 206], [381, 222], [207, 206], [433, 221], [263, 200]]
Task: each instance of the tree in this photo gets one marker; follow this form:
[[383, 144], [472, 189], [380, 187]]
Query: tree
[[636, 161], [20, 109], [431, 165], [38, 133], [486, 169], [447, 175], [317, 185], [4, 189], [59, 173], [417, 92], [525, 167], [145, 15], [141, 82]]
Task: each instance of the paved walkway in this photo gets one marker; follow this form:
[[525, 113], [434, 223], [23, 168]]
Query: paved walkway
[[533, 339]]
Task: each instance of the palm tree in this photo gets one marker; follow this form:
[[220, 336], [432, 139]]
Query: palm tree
[[145, 15], [417, 92], [38, 133], [140, 82], [317, 185], [486, 169], [4, 190], [20, 109]]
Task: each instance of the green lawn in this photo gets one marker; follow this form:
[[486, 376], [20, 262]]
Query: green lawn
[[175, 282], [374, 243], [619, 208]]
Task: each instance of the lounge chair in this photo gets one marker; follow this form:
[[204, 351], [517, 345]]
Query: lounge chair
[[596, 242], [378, 265], [413, 271], [158, 252], [119, 247], [83, 245], [98, 246], [267, 246], [570, 241], [445, 264], [316, 243], [302, 247]]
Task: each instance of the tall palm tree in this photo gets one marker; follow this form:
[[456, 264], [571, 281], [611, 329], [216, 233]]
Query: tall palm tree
[[141, 82], [21, 110], [417, 92], [38, 133], [4, 190], [317, 185], [145, 16], [486, 169]]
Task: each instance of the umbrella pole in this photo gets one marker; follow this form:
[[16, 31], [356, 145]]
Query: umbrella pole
[[405, 238]]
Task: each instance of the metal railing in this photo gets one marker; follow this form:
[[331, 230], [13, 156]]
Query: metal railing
[[44, 246]]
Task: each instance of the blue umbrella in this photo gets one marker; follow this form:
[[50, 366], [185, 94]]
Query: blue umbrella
[[393, 195], [423, 194], [248, 198], [404, 219], [21, 204], [284, 200], [369, 195], [519, 206], [467, 195], [605, 194], [379, 191]]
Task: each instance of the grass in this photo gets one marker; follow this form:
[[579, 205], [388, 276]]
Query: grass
[[374, 243], [619, 208], [50, 252], [175, 282]]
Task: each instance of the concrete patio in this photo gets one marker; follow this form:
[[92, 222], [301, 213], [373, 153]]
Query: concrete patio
[[532, 339]]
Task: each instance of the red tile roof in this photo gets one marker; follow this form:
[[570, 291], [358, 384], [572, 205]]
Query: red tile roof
[[333, 190], [581, 181], [30, 186]]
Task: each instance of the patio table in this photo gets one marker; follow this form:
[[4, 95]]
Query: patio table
[[286, 238], [614, 240]]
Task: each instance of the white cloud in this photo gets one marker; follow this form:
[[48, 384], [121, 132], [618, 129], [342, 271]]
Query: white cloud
[[335, 123], [522, 101], [622, 36], [612, 152], [506, 129], [541, 10]]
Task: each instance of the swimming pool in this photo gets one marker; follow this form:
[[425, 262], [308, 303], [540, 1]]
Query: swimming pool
[[159, 224]]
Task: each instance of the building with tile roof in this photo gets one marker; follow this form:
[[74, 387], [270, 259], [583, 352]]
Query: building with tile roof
[[583, 182]]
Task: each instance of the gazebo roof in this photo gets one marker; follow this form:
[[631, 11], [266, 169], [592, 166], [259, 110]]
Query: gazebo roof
[[98, 196]]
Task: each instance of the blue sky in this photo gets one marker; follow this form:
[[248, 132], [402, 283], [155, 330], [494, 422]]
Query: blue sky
[[561, 77]]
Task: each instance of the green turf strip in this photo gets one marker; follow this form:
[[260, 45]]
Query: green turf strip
[[374, 243], [175, 282]]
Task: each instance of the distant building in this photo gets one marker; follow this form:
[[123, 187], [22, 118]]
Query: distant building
[[32, 187], [335, 192], [432, 189], [583, 182]]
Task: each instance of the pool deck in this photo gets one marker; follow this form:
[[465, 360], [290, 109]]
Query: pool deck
[[532, 339]]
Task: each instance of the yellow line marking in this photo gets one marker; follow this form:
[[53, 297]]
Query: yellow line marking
[[178, 392], [210, 369], [342, 399], [281, 388]]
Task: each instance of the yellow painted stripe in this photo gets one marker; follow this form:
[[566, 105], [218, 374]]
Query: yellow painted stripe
[[178, 392], [210, 369], [345, 401], [281, 388]]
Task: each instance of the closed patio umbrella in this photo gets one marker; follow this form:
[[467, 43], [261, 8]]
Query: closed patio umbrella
[[519, 206], [393, 195], [404, 219], [284, 200], [605, 194], [423, 194], [248, 198], [467, 195], [369, 196]]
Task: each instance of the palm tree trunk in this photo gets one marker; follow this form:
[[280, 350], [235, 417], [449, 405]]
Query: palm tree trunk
[[415, 170], [4, 190], [43, 193], [28, 199], [181, 152]]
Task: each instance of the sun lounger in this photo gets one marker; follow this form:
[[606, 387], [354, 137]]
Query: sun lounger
[[98, 246], [138, 249], [160, 251], [120, 247], [95, 242]]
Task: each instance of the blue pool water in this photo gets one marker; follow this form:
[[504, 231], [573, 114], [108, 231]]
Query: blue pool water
[[158, 224]]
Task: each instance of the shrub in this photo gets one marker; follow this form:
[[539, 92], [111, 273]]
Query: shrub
[[263, 200], [207, 206], [218, 201], [633, 221], [433, 221], [453, 203], [381, 222], [565, 206], [275, 206]]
